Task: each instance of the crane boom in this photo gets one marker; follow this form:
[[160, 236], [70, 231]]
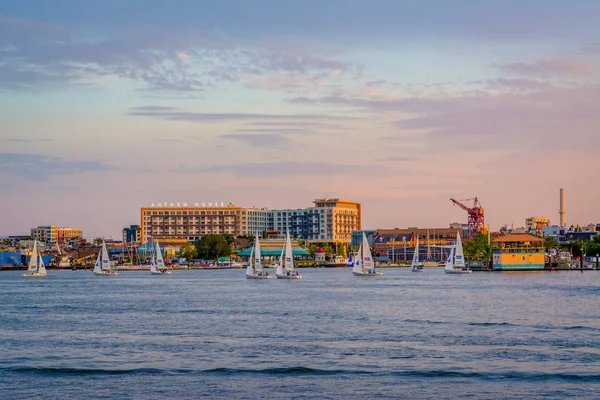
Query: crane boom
[[475, 213]]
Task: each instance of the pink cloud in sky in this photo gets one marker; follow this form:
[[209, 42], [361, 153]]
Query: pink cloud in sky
[[548, 68]]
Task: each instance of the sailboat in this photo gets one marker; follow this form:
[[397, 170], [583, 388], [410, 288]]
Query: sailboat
[[363, 263], [455, 264], [286, 271], [255, 271], [350, 262], [429, 262], [157, 266], [416, 265], [36, 267], [103, 267]]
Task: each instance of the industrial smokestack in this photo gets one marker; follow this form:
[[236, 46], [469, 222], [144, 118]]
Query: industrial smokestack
[[563, 210]]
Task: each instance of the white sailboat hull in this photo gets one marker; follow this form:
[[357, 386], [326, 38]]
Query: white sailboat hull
[[258, 276], [34, 275], [106, 273], [457, 271], [288, 276], [417, 269], [365, 273], [165, 272]]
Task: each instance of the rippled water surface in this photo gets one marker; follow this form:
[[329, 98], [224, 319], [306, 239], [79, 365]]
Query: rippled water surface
[[214, 334]]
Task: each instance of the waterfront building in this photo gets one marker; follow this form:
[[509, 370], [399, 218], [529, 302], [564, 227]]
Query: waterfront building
[[357, 237], [256, 220], [51, 234], [518, 252], [399, 244], [271, 248], [536, 224], [327, 221], [178, 223], [133, 234]]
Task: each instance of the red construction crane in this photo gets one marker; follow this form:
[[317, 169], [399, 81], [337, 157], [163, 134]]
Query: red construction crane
[[476, 222]]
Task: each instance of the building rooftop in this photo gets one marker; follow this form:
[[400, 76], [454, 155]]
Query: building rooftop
[[517, 238]]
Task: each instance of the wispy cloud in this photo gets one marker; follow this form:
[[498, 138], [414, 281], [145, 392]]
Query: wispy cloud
[[279, 169], [40, 167], [23, 140], [265, 140], [547, 68], [173, 114]]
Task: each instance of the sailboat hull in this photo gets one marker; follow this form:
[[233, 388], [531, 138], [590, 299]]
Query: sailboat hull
[[160, 272], [457, 271], [289, 276], [34, 275], [367, 273], [258, 276], [417, 269], [106, 273]]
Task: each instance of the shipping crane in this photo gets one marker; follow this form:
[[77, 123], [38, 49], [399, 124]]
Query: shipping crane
[[476, 222]]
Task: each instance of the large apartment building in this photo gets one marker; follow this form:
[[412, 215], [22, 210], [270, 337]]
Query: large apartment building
[[328, 220], [51, 234]]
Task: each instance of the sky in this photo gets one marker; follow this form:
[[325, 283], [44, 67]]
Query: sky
[[109, 106]]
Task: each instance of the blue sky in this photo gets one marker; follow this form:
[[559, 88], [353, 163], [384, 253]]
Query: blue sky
[[397, 104]]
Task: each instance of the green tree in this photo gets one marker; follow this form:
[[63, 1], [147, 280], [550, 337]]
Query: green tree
[[328, 250], [550, 243], [230, 239], [342, 251], [188, 251], [98, 240], [212, 246], [592, 248], [477, 248], [312, 250]]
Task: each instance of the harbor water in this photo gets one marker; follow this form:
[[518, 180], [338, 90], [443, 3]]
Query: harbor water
[[215, 334]]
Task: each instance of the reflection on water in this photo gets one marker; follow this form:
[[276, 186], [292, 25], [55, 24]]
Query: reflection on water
[[215, 334]]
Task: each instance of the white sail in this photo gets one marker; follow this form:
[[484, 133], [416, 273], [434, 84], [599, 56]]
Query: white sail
[[33, 259], [415, 260], [367, 258], [257, 260], [358, 265], [41, 266], [97, 267], [153, 263], [105, 258], [450, 260], [279, 270], [459, 257], [249, 270], [289, 254], [160, 262]]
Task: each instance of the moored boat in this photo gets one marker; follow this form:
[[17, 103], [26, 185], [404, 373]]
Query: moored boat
[[363, 262], [455, 264], [35, 267]]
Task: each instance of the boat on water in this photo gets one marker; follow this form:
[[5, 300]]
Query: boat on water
[[103, 266], [455, 264], [416, 266], [254, 269], [285, 268], [157, 266], [363, 262], [35, 267], [350, 262], [429, 262]]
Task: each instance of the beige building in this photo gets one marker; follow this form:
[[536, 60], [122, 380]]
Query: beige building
[[51, 234], [329, 220], [536, 224]]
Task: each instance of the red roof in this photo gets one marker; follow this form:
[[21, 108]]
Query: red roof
[[320, 250]]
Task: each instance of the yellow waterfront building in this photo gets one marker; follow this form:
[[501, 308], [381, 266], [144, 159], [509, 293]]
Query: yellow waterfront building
[[518, 252]]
